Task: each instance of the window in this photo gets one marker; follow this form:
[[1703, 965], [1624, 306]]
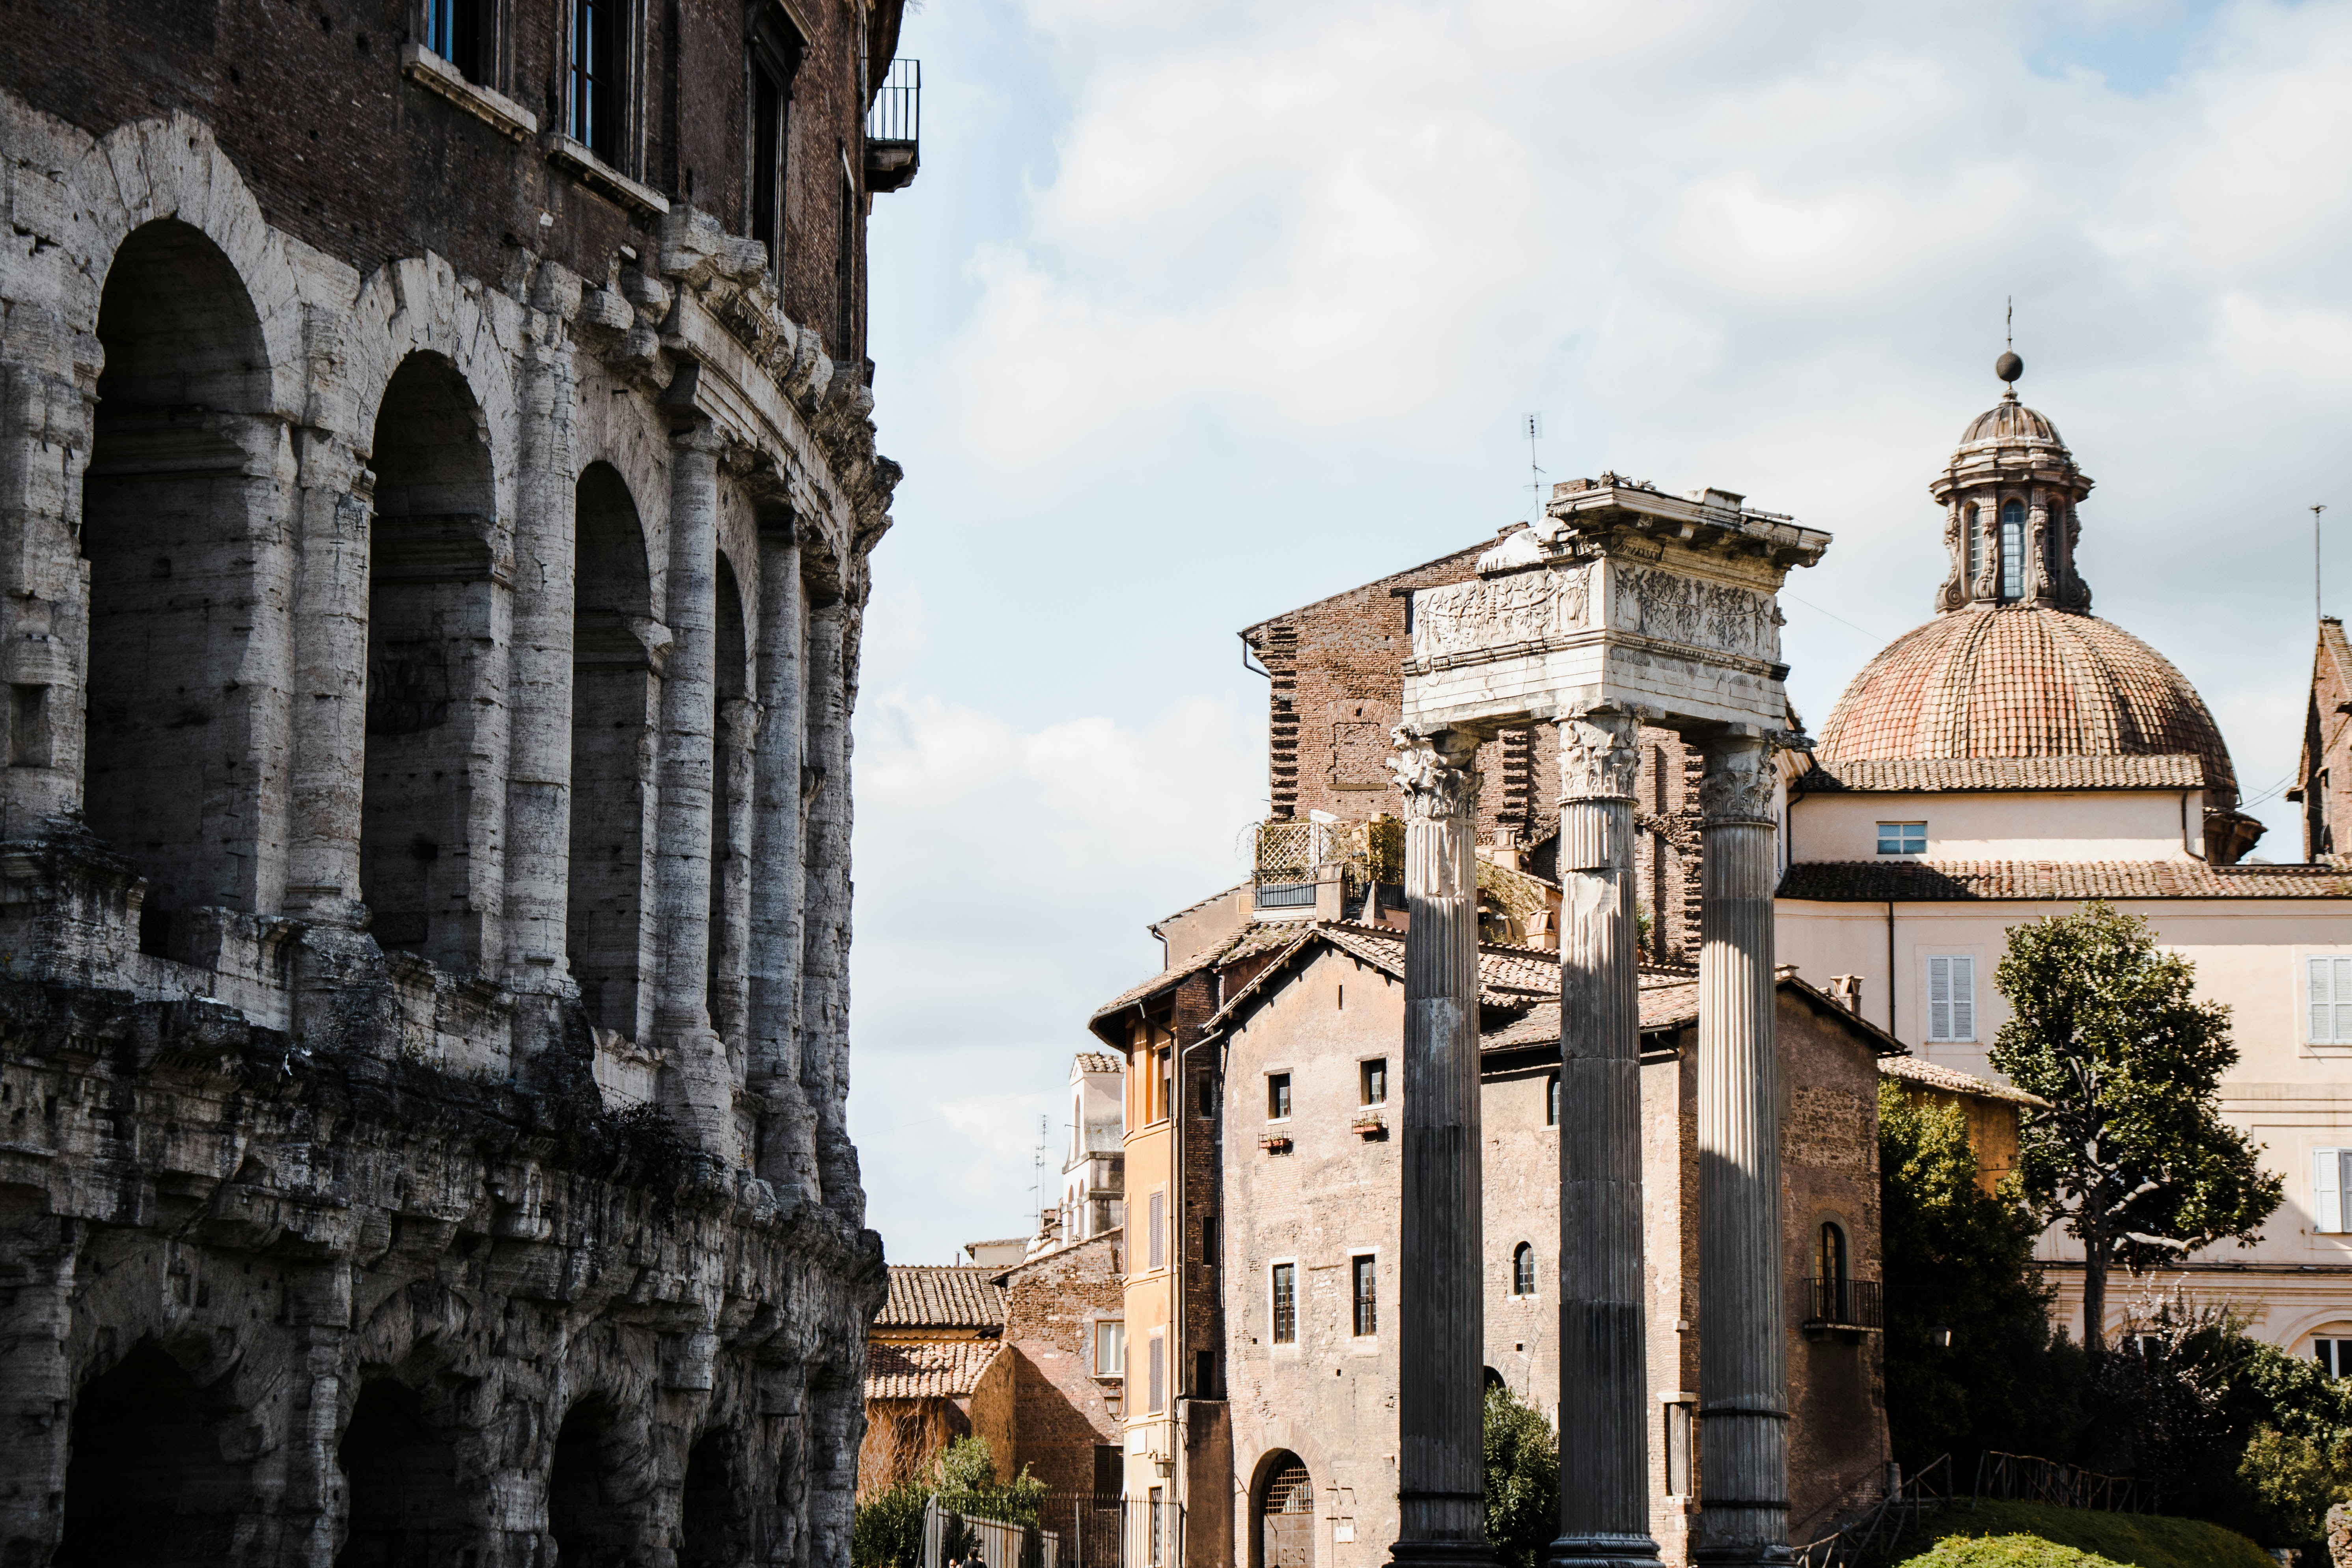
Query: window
[[1678, 1449], [1362, 1270], [454, 29], [1154, 1496], [1158, 1231], [1952, 998], [1973, 545], [1208, 1096], [2335, 1356], [1158, 1378], [1828, 1274], [2331, 1177], [846, 269], [2327, 983], [1110, 1348], [1551, 1101], [1204, 1374], [1375, 1081], [1902, 839], [1285, 1303], [597, 76], [768, 111], [1523, 1269], [1209, 1238], [1277, 1097], [1109, 1470], [2012, 550]]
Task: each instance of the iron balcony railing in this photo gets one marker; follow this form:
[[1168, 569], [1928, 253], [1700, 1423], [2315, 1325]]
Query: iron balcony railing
[[894, 127], [1834, 1303], [1289, 857]]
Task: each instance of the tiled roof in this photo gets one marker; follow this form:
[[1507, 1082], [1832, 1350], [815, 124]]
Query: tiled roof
[[940, 1295], [2023, 682], [1849, 881], [1240, 944], [1668, 1001], [1923, 774], [2009, 420], [1951, 1080], [930, 1369], [1097, 1061], [1504, 973]]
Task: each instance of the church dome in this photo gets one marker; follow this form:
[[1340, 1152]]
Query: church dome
[[2024, 681], [2012, 421]]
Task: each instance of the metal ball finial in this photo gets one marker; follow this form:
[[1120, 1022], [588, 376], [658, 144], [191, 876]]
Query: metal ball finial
[[2008, 367]]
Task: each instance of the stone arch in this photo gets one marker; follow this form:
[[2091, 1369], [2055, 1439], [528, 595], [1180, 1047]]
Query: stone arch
[[597, 1486], [431, 799], [726, 990], [1281, 1511], [183, 734], [405, 1504], [714, 1523], [615, 708], [148, 1479]]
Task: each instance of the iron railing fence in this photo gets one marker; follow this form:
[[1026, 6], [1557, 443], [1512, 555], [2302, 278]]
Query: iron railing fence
[[897, 113], [1105, 1530], [1289, 857], [1872, 1536], [2025, 1478], [1834, 1303]]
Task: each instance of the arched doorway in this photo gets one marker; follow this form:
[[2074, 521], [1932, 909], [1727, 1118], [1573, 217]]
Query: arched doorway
[[713, 1524], [1284, 1514], [595, 1494], [432, 667], [145, 1481], [615, 697], [400, 1476], [180, 514]]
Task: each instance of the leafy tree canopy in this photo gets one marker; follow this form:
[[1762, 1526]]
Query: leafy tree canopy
[[1522, 1459]]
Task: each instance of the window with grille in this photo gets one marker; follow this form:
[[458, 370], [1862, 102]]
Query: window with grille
[[1110, 1348], [2012, 550], [1362, 1270], [1285, 1303], [1902, 839], [2328, 988], [1523, 1269], [2331, 1178], [1952, 998], [597, 76]]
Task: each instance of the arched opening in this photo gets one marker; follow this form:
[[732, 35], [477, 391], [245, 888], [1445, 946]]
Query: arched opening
[[145, 1478], [179, 514], [1523, 1269], [726, 984], [432, 668], [713, 1524], [2012, 550], [616, 696], [1286, 1515], [1830, 1273], [593, 1506], [401, 1478]]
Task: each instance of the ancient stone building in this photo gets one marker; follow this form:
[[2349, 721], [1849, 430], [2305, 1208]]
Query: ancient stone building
[[437, 483]]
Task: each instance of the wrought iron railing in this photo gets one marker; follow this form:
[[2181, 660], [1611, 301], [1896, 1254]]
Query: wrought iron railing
[[896, 112], [1871, 1536], [1290, 857], [1104, 1529], [2024, 1478], [1837, 1303]]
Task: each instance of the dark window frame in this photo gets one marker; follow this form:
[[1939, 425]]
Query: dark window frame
[[1282, 1293], [469, 34], [1364, 1293]]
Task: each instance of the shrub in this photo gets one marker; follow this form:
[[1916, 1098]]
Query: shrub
[[2009, 1551], [888, 1532], [1522, 1462]]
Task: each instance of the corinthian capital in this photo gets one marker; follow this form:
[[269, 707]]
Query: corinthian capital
[[1738, 784], [1437, 774], [1598, 756]]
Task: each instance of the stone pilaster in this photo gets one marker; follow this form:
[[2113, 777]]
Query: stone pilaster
[[697, 1085], [740, 724], [787, 1146], [538, 775], [1604, 1369], [37, 1379], [1743, 1372], [45, 407], [1440, 1265], [333, 506], [824, 954]]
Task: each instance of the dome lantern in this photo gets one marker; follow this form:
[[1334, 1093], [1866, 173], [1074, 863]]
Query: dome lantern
[[2011, 495]]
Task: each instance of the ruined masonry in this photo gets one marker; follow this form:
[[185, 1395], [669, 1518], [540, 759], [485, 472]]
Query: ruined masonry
[[424, 893]]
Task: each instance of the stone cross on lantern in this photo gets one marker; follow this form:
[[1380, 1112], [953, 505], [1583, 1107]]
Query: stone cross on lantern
[[1624, 607]]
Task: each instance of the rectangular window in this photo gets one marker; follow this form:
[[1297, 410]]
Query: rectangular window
[[1154, 1496], [1952, 998], [1285, 1303], [768, 107], [1110, 1348], [1208, 1097], [1159, 1379], [1158, 1231], [1204, 1374], [845, 270], [597, 76], [1109, 1470], [453, 29], [1362, 1270], [1375, 1081], [1678, 1450], [2331, 1178], [1277, 1097], [1551, 1101], [2327, 990], [1209, 1239], [1902, 839]]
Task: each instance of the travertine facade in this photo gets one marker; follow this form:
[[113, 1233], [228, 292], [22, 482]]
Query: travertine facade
[[433, 563]]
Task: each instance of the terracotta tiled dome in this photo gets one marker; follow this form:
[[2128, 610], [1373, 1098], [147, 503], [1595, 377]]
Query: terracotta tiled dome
[[2024, 682], [2009, 420]]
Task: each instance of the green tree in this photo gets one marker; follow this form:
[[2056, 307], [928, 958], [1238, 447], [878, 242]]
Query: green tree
[[1956, 1257], [887, 1530], [1522, 1459], [2132, 1156], [967, 1483]]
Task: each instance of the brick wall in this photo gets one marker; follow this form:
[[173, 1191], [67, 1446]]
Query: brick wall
[[1059, 1410]]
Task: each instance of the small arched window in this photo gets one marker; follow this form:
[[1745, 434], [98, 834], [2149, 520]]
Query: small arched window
[[1971, 548], [1830, 1274], [2012, 550], [1523, 1270]]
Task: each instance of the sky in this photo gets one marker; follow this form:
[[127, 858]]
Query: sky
[[1197, 313]]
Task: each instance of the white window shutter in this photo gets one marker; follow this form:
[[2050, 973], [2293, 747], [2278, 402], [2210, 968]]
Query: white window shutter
[[1939, 998], [2342, 989], [2327, 1189], [1964, 998], [2321, 998]]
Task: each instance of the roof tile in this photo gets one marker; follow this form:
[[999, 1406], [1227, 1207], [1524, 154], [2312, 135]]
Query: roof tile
[[930, 1369], [940, 1295], [1928, 881]]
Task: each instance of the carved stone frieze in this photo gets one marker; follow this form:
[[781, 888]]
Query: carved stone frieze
[[1715, 615], [1482, 614]]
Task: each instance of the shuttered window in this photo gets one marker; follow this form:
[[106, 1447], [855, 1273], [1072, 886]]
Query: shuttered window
[[1158, 1375], [2328, 990], [1952, 998], [1159, 1230], [2331, 1178]]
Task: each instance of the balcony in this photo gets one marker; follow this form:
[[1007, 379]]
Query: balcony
[[893, 127], [1323, 870], [1850, 1308]]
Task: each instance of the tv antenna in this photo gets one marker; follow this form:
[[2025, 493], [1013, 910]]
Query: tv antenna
[[1535, 473], [1037, 1167], [2317, 610]]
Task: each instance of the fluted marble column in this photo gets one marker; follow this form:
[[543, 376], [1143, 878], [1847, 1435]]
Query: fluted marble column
[[1604, 1512], [1441, 1267], [1743, 1371]]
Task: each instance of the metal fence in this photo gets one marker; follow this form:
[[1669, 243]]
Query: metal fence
[[950, 1536], [1871, 1538], [1104, 1529], [898, 111], [2024, 1478], [1835, 1304], [1290, 857]]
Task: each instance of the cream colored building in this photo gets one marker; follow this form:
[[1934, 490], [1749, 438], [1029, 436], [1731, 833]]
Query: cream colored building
[[2015, 756]]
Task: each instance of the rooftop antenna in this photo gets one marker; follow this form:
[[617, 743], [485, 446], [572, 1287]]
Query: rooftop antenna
[[1037, 1166], [1535, 473], [2316, 608]]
